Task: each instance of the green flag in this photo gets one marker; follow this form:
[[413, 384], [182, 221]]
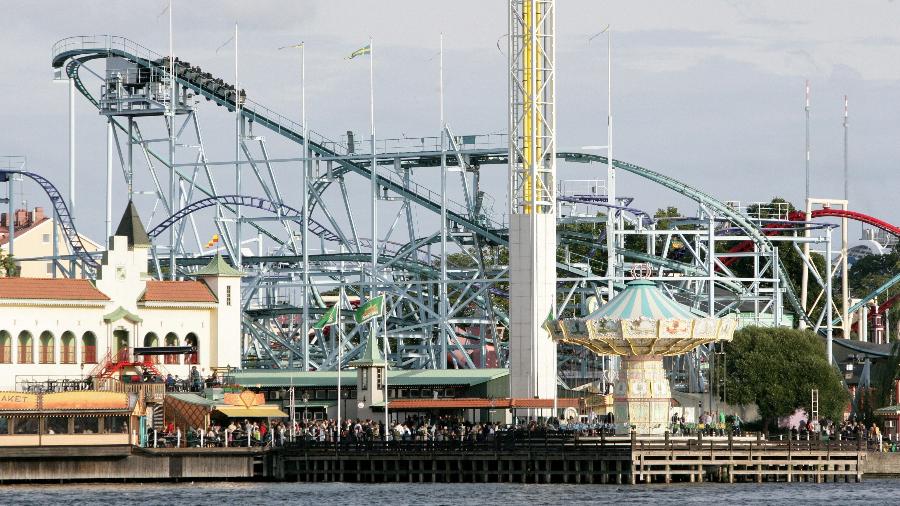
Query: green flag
[[328, 319], [548, 320], [371, 309], [360, 52]]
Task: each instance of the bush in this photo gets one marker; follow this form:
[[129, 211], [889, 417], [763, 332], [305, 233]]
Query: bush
[[777, 368]]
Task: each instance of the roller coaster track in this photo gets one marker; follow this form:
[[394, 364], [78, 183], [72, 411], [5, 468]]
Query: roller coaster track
[[772, 228], [853, 215], [62, 213], [77, 50], [713, 204], [264, 204], [600, 201]]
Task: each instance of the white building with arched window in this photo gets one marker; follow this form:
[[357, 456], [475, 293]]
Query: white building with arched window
[[71, 328]]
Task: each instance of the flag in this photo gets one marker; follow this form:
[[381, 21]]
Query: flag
[[360, 52], [371, 309], [548, 321], [328, 319]]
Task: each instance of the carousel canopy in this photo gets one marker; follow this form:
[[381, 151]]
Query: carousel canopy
[[642, 320], [642, 298]]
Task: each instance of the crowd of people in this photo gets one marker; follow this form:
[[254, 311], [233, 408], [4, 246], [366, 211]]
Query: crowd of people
[[709, 423], [850, 429], [455, 429], [195, 382], [236, 433], [413, 428]]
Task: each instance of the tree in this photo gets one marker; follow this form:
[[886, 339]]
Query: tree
[[661, 216], [870, 272], [8, 267], [884, 373], [777, 368]]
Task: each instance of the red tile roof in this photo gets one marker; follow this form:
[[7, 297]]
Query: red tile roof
[[177, 291], [4, 230], [49, 289], [474, 403]]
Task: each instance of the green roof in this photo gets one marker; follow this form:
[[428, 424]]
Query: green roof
[[218, 266], [642, 298], [404, 377], [130, 226], [888, 410], [371, 356], [192, 399], [120, 313]]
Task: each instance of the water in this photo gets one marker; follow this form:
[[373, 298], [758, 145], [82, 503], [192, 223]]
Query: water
[[873, 491]]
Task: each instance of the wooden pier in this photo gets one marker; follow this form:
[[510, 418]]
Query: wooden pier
[[574, 460], [504, 459]]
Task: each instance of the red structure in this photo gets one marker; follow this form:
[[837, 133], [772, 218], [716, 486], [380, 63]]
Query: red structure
[[773, 228], [114, 363]]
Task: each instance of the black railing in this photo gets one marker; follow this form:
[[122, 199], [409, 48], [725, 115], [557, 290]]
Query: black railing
[[563, 442]]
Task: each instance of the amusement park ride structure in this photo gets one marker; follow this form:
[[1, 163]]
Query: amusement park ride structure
[[151, 104]]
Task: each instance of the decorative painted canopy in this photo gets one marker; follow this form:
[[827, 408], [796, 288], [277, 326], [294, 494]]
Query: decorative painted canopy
[[642, 320]]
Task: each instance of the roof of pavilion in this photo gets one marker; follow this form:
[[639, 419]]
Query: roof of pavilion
[[642, 320], [642, 298]]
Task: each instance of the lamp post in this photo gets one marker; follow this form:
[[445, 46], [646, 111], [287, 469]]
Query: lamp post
[[305, 401], [340, 422]]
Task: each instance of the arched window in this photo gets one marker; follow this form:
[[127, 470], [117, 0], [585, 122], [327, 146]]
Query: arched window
[[67, 350], [191, 340], [89, 348], [152, 341], [26, 350], [172, 340], [5, 347], [48, 343]]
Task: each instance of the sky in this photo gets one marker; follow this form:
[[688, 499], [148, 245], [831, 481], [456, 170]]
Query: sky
[[709, 92]]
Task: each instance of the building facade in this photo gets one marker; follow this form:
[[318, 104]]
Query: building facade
[[34, 240], [74, 328]]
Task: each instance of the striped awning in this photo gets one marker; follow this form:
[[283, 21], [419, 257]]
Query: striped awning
[[642, 298], [264, 411]]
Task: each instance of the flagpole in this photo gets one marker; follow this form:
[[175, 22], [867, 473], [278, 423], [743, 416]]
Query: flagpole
[[172, 96], [340, 344], [374, 325], [443, 287], [305, 225], [374, 170], [387, 365], [237, 152]]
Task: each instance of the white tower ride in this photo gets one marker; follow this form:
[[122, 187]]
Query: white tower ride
[[532, 192]]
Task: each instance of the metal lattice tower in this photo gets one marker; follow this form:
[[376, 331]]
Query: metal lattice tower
[[532, 194]]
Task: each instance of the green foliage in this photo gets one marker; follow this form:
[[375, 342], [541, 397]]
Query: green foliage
[[884, 372], [777, 208], [868, 273], [777, 368], [662, 214], [8, 267]]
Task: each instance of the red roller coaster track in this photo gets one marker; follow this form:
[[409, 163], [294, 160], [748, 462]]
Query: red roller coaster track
[[772, 228], [853, 215]]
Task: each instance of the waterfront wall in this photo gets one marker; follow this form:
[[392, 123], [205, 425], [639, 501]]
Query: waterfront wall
[[882, 464], [126, 463], [612, 462]]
